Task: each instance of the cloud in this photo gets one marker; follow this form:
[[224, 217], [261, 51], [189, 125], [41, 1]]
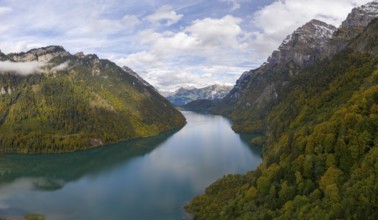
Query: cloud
[[207, 50], [216, 32], [22, 68], [184, 38], [207, 36], [281, 18], [140, 60], [131, 21], [61, 67], [165, 15], [4, 10]]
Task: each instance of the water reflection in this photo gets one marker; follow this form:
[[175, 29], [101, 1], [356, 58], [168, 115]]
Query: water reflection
[[141, 179], [51, 172]]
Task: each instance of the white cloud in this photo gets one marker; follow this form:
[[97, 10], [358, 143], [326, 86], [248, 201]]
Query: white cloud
[[61, 67], [207, 50], [216, 32], [207, 37], [140, 60], [165, 15], [173, 78], [193, 55], [4, 10], [131, 21], [22, 68], [186, 39], [282, 17]]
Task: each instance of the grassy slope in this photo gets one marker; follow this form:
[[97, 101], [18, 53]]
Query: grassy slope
[[320, 160]]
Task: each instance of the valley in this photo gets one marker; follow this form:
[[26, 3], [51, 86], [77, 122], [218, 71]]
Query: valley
[[83, 137]]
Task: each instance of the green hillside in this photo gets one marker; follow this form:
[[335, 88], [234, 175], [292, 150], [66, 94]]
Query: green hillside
[[90, 103], [320, 157]]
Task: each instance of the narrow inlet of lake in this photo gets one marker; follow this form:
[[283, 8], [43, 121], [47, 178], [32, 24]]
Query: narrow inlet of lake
[[150, 178]]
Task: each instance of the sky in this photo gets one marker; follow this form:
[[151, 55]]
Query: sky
[[170, 44]]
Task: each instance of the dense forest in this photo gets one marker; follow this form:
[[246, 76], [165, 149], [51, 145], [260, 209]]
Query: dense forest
[[321, 147], [91, 103]]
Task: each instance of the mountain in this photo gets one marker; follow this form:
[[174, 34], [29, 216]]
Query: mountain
[[321, 138], [52, 101], [354, 25], [185, 95], [258, 90]]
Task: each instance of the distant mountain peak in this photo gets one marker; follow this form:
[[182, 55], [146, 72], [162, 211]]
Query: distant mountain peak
[[183, 95]]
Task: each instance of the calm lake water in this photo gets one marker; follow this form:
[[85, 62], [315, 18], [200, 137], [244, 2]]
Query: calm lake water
[[151, 178]]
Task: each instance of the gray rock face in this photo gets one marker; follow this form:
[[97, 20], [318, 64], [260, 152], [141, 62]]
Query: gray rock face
[[305, 45], [79, 55], [360, 17], [43, 54], [240, 85], [354, 24]]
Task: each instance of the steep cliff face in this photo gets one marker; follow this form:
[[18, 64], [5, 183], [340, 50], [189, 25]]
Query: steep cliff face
[[52, 101], [257, 90], [354, 25], [305, 46]]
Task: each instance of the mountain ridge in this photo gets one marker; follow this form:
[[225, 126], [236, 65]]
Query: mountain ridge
[[52, 101], [183, 96], [303, 47]]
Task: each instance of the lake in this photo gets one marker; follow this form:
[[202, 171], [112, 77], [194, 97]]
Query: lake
[[149, 178]]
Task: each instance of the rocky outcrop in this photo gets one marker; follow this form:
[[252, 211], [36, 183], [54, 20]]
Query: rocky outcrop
[[354, 24], [358, 19], [304, 46], [43, 54]]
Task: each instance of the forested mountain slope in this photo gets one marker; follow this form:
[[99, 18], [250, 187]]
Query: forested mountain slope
[[52, 101], [320, 154]]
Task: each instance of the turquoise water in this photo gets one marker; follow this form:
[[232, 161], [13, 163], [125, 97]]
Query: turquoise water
[[151, 178]]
